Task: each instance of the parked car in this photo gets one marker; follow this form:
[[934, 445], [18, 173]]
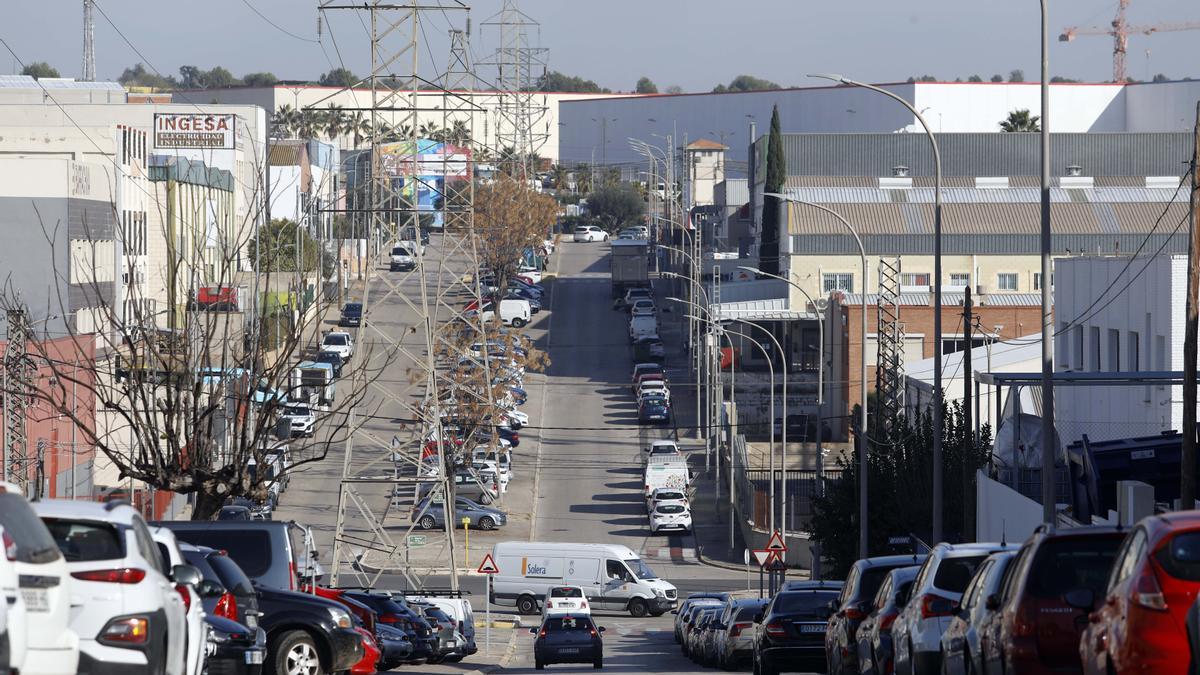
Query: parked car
[[853, 605], [340, 343], [352, 313], [225, 591], [874, 635], [395, 612], [568, 639], [1034, 630], [428, 515], [649, 347], [1140, 625], [12, 610], [403, 258], [589, 233], [197, 632], [457, 608], [695, 627], [334, 359], [643, 307], [704, 651], [654, 410], [39, 588], [960, 644], [790, 631], [692, 603], [565, 600], [665, 496], [135, 617], [917, 632], [735, 639], [231, 648]]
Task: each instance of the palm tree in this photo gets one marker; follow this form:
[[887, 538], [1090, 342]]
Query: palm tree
[[459, 133], [583, 178], [561, 176], [309, 124], [334, 121], [1020, 121], [285, 120], [430, 130], [358, 126]]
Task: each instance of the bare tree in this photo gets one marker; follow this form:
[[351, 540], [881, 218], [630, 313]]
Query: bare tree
[[509, 218]]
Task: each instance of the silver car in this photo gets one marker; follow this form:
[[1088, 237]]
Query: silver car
[[735, 643]]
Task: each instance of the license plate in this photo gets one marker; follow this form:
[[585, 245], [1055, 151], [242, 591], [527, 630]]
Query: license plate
[[254, 657], [811, 628], [568, 650], [36, 599]]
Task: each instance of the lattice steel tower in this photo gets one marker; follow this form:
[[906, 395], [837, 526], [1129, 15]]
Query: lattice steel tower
[[18, 389], [889, 373], [523, 124]]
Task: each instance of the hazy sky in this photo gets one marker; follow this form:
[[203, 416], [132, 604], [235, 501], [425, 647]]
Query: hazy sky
[[691, 43]]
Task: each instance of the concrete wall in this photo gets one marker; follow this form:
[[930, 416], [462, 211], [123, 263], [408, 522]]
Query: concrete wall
[[1161, 106], [1142, 301], [961, 107], [1002, 513]]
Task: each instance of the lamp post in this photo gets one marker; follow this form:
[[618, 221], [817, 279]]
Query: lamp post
[[708, 423], [820, 369], [862, 425], [937, 293], [693, 326], [783, 430], [1048, 449]]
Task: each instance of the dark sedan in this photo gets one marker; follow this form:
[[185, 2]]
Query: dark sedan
[[332, 358], [654, 410], [351, 314], [233, 649], [568, 639], [791, 633]]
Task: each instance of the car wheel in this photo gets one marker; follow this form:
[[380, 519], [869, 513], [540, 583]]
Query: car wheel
[[538, 665], [295, 653], [518, 322], [485, 499], [527, 605], [638, 607], [598, 663], [486, 523], [427, 522]]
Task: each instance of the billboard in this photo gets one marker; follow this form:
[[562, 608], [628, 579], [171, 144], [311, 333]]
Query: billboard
[[195, 130], [434, 162]]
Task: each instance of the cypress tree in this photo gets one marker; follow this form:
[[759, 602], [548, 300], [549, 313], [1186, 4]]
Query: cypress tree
[[776, 177]]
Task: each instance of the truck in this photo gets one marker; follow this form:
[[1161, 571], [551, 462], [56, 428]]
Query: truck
[[630, 265], [665, 472], [312, 384]]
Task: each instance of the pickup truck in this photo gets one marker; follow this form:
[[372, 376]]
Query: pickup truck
[[340, 342]]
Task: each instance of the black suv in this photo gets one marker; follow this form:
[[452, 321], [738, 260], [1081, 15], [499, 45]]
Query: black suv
[[790, 633], [351, 314]]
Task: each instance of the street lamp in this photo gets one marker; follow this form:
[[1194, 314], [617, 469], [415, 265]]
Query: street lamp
[[783, 429], [937, 288], [820, 369], [862, 425]]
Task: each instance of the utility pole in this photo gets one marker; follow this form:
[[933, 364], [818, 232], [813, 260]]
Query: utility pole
[[89, 43], [1187, 486], [1049, 515], [968, 427]]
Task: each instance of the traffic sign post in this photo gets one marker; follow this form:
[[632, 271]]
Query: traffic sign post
[[488, 568], [761, 556]]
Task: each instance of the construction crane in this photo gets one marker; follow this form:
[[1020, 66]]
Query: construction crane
[[1120, 30]]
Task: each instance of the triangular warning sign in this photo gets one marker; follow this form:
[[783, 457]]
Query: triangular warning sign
[[762, 555], [488, 566], [776, 543], [776, 564]]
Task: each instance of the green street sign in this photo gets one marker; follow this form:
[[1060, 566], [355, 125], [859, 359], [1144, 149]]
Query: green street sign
[[416, 540]]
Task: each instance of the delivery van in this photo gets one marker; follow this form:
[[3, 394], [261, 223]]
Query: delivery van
[[611, 576], [665, 472], [643, 327]]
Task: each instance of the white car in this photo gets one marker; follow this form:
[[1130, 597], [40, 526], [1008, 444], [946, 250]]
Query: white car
[[490, 466], [339, 342], [666, 496], [653, 387], [503, 458], [532, 274], [663, 447], [131, 616], [590, 233], [12, 609], [565, 600], [670, 516], [300, 419], [516, 419], [44, 628], [197, 628], [643, 307]]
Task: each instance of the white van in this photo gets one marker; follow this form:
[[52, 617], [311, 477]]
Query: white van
[[665, 472], [514, 313], [642, 326], [612, 577]]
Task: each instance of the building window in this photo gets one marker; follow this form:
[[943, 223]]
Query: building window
[[958, 343], [837, 281], [1114, 350], [1133, 362], [960, 280], [1037, 281], [1006, 282], [1095, 349], [914, 279]]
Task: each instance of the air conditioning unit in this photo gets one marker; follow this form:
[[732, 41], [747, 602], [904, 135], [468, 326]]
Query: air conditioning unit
[[981, 289]]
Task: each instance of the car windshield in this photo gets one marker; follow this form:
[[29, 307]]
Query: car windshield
[[670, 508], [329, 357], [803, 602], [353, 307], [298, 411], [34, 544], [668, 495], [567, 623], [641, 569], [82, 541], [399, 250], [339, 340], [566, 592]]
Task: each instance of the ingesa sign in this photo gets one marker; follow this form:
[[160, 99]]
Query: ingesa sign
[[194, 130]]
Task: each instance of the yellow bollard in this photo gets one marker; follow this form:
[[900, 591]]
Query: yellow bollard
[[466, 541]]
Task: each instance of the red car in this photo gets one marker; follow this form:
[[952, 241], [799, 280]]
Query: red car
[[1044, 603], [1141, 625], [367, 664]]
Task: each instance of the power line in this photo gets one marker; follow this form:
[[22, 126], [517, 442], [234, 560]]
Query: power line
[[279, 28]]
